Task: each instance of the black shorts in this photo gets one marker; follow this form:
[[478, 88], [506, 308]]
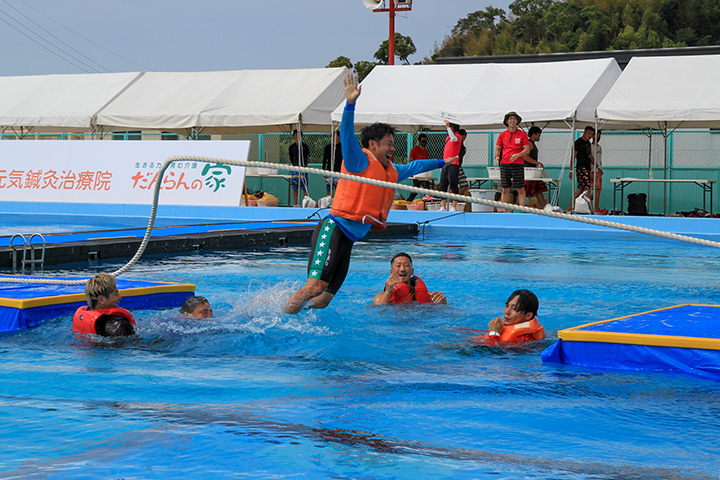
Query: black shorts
[[512, 175], [584, 179], [449, 178], [330, 257]]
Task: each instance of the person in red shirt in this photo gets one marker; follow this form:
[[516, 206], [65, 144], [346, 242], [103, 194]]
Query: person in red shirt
[[419, 152], [449, 178], [512, 145]]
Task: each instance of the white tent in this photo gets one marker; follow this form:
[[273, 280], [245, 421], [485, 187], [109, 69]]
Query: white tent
[[666, 93], [245, 101], [58, 103], [479, 95]]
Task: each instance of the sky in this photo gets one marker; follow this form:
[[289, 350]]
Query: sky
[[83, 36]]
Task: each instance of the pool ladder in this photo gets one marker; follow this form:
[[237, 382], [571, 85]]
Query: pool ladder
[[27, 243]]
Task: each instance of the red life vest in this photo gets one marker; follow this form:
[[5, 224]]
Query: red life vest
[[402, 294], [84, 319], [520, 332], [363, 202]]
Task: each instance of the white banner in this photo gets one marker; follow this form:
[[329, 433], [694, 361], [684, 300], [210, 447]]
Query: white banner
[[112, 171]]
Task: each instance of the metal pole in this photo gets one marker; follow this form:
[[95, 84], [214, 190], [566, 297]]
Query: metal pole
[[391, 40], [665, 175], [650, 172], [332, 158]]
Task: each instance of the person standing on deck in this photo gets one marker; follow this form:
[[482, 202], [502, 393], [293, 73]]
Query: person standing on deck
[[512, 146]]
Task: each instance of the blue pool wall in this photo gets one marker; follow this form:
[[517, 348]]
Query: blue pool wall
[[112, 216]]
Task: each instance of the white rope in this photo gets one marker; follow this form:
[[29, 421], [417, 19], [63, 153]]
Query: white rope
[[435, 193]]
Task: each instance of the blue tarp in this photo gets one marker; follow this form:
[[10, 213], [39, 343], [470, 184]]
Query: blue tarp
[[693, 321]]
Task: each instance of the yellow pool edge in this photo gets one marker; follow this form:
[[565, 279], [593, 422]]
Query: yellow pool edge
[[575, 334]]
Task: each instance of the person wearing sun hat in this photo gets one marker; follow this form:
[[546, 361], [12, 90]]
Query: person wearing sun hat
[[512, 145]]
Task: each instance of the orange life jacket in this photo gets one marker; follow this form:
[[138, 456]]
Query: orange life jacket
[[402, 294], [84, 319], [363, 202], [531, 330]]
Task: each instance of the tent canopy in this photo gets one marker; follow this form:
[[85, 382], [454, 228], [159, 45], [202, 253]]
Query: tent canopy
[[682, 91], [58, 103], [479, 95], [245, 101]]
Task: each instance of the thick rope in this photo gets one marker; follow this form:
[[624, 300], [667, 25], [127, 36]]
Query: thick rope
[[434, 193]]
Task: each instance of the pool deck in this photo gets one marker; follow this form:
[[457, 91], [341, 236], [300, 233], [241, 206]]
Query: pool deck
[[120, 228]]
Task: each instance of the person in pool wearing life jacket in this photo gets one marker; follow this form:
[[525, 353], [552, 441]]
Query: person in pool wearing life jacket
[[404, 287], [102, 316], [357, 207], [518, 324]]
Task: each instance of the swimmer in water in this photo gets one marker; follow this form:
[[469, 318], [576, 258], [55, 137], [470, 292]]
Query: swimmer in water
[[196, 307], [102, 316], [403, 286], [519, 322]]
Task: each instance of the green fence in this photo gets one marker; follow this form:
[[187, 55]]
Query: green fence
[[690, 155]]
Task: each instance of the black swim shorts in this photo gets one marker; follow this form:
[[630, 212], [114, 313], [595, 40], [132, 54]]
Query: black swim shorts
[[330, 257]]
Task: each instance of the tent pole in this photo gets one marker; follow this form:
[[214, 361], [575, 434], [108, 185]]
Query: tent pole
[[650, 172], [594, 168], [665, 168], [332, 156], [556, 200], [304, 184]]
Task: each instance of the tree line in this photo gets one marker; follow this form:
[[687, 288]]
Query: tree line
[[551, 26], [548, 26]]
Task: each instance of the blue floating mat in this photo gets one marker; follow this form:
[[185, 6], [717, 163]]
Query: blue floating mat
[[682, 339], [27, 305]]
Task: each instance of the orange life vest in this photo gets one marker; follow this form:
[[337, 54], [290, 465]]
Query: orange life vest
[[402, 294], [84, 319], [531, 330], [363, 202]]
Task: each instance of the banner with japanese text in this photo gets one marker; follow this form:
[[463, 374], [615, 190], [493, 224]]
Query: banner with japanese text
[[112, 171]]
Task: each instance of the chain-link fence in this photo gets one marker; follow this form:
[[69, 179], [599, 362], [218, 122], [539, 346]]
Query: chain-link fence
[[634, 154]]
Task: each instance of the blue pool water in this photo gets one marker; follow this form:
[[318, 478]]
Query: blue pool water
[[355, 391]]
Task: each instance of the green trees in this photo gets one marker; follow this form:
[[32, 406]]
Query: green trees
[[404, 47], [546, 26]]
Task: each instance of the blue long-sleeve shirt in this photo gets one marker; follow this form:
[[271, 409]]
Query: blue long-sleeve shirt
[[355, 161]]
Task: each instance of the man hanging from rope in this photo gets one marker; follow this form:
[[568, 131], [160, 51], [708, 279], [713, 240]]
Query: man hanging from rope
[[357, 207]]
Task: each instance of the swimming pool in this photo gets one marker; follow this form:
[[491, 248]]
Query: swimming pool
[[355, 391]]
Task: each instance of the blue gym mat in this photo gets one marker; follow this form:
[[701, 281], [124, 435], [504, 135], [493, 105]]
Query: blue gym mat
[[682, 339]]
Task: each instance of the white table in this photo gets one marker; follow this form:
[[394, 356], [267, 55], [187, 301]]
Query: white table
[[551, 182], [621, 183]]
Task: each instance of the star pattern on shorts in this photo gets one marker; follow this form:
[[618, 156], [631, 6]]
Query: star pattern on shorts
[[322, 244], [324, 236], [319, 253], [317, 262], [314, 273]]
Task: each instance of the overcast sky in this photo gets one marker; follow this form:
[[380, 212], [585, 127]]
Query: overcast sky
[[173, 36]]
